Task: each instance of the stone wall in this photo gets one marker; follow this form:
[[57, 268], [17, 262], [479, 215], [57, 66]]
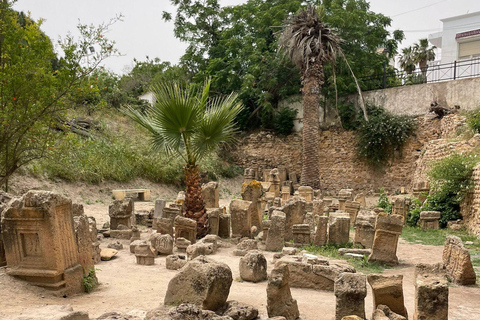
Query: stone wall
[[471, 212]]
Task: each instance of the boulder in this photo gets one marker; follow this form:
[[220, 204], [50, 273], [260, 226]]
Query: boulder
[[175, 261], [162, 243], [253, 267], [457, 262], [279, 297], [107, 254]]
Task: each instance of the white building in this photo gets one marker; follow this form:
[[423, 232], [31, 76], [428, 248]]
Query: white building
[[459, 43]]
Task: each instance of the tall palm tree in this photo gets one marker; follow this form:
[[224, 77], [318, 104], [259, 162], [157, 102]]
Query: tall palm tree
[[310, 43], [187, 123], [422, 54], [407, 60]]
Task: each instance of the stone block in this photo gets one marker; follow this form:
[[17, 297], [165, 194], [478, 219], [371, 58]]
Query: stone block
[[295, 210], [253, 267], [185, 228], [200, 249], [306, 193], [107, 254], [213, 215], [182, 244], [388, 290], [429, 220], [431, 293], [350, 290], [279, 297], [365, 228], [145, 255], [253, 192], [457, 261], [241, 212], [244, 246], [321, 234], [175, 261], [276, 233], [162, 243], [301, 235], [135, 243], [388, 227], [121, 212], [338, 228], [224, 225], [210, 193]]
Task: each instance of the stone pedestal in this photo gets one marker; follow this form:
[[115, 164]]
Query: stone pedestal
[[276, 232], [210, 193], [265, 227], [120, 212], [365, 228], [388, 227], [306, 193], [352, 208], [321, 234], [185, 228], [346, 194], [350, 290], [421, 190], [401, 206], [338, 228], [253, 192], [285, 193], [214, 219], [249, 175], [317, 207], [301, 235], [40, 244], [457, 261], [431, 293], [241, 212], [341, 204], [164, 226], [388, 290], [172, 212], [274, 179], [295, 210], [279, 297], [144, 255], [182, 244], [429, 220]]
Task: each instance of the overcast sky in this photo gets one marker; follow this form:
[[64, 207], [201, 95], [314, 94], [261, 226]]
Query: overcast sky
[[143, 33]]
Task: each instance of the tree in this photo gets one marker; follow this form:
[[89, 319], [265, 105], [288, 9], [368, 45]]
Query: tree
[[407, 60], [36, 86], [422, 54], [310, 43], [186, 123]]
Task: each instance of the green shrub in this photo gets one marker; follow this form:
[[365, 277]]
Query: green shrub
[[90, 281], [349, 116], [382, 135], [473, 120], [414, 212], [284, 120], [384, 202]]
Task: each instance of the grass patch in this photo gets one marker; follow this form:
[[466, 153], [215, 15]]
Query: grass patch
[[90, 281], [331, 251], [437, 237]]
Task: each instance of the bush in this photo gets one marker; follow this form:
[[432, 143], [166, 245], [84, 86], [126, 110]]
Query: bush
[[90, 281], [384, 202], [473, 120], [414, 212], [349, 116], [382, 135], [284, 120]]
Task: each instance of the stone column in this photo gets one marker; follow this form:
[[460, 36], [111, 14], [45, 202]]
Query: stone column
[[388, 227], [210, 193], [306, 193], [350, 290], [120, 212], [276, 232], [253, 192], [338, 228], [388, 290], [352, 207], [224, 225], [279, 298], [214, 219], [401, 206], [321, 235], [431, 292], [295, 210], [365, 228]]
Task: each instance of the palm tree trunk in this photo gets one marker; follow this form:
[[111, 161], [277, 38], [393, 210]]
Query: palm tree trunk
[[194, 205], [312, 81]]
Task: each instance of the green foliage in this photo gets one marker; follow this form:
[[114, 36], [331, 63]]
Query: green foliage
[[284, 120], [90, 281], [451, 181], [473, 120], [382, 135], [384, 202], [349, 116], [437, 237], [414, 212]]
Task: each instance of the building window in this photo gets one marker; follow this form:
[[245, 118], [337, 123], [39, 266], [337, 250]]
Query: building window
[[468, 49]]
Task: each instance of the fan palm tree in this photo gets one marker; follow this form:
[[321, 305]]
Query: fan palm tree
[[187, 123], [407, 60], [422, 54], [310, 44]]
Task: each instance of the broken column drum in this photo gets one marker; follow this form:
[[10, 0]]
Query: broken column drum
[[388, 228], [40, 244], [185, 228], [144, 255]]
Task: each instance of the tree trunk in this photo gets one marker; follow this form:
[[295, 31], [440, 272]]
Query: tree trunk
[[312, 81], [423, 67], [194, 205]]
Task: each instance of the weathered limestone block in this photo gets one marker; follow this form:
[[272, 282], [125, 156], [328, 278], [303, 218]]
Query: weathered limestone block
[[162, 243], [306, 193], [401, 206], [214, 219], [253, 267], [211, 239], [341, 204], [39, 241], [117, 245], [253, 191], [203, 282], [346, 194], [276, 232], [249, 174], [388, 227], [350, 290], [346, 251], [457, 262], [224, 225], [295, 210], [199, 249], [274, 179], [265, 227], [145, 255], [84, 242], [175, 261], [317, 207], [182, 244], [352, 208], [360, 198], [421, 190], [301, 235], [338, 228], [431, 292], [314, 274], [92, 228], [134, 244], [185, 228], [286, 193], [210, 193], [388, 290], [321, 234], [107, 254], [384, 311], [164, 225], [241, 212], [429, 220], [120, 212], [365, 228], [238, 310], [244, 246], [279, 297], [172, 212]]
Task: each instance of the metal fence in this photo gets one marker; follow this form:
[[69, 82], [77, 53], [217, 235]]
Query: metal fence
[[434, 73]]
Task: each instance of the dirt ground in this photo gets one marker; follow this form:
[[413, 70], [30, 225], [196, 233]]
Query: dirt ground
[[134, 289]]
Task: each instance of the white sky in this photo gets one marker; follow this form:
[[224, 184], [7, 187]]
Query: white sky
[[143, 33]]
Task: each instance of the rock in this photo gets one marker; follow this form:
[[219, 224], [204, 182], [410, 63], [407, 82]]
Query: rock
[[162, 243], [210, 193], [203, 282], [388, 227], [388, 290], [276, 232], [117, 316], [253, 267], [185, 311], [350, 290], [289, 251], [244, 246], [199, 249], [145, 255], [295, 209], [352, 318], [115, 245], [175, 261], [457, 262], [51, 312], [389, 313], [431, 292], [338, 228], [241, 212], [135, 244], [239, 311], [279, 297], [107, 254]]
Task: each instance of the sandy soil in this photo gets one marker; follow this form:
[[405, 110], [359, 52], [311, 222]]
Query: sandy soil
[[131, 288]]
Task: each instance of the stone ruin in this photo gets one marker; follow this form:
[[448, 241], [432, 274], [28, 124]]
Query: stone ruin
[[253, 192], [429, 220], [213, 215], [40, 242], [350, 292], [185, 228], [388, 228], [306, 193], [401, 206], [338, 228], [276, 232], [121, 216], [421, 190], [352, 208], [144, 254], [388, 290], [253, 267], [431, 292], [458, 264], [279, 296], [365, 228], [210, 193], [241, 212]]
